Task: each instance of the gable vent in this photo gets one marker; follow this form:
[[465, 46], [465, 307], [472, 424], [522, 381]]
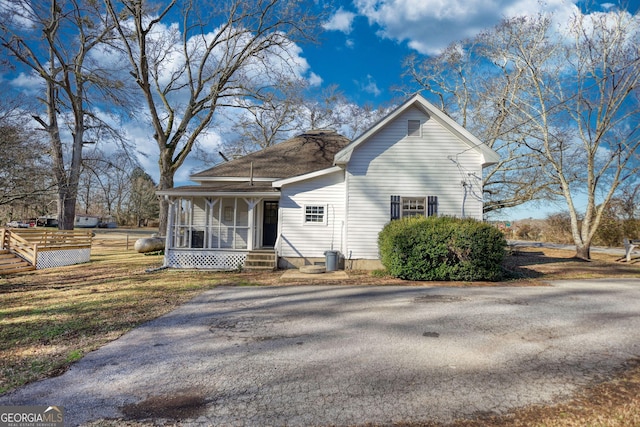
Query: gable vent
[[413, 128]]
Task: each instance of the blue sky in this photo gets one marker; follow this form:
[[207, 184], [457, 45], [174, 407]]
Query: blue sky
[[364, 65], [365, 41], [362, 50]]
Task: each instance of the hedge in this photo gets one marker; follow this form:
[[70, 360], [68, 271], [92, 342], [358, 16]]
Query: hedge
[[442, 248]]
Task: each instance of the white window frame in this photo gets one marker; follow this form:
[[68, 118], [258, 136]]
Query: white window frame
[[419, 129], [409, 212], [325, 209]]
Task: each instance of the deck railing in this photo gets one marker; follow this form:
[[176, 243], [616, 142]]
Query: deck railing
[[27, 243]]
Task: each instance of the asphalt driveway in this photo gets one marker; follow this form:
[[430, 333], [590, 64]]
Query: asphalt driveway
[[326, 355]]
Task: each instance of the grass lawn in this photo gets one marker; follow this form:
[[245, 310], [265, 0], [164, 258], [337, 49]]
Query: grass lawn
[[51, 318]]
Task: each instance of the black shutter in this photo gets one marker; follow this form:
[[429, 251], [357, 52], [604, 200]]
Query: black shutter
[[395, 207], [432, 205]]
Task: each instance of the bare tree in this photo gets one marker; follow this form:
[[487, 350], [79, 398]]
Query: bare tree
[[474, 87], [628, 199], [578, 104], [142, 203], [54, 41], [261, 124], [186, 73], [24, 171], [558, 104], [267, 123]]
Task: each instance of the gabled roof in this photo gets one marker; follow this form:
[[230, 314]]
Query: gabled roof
[[489, 156], [312, 151]]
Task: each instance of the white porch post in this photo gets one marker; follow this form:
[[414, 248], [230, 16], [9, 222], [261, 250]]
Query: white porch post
[[169, 230], [209, 214]]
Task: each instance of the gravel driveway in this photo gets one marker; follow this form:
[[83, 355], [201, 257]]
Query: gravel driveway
[[327, 355]]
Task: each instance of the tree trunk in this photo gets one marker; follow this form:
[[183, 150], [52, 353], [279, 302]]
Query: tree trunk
[[583, 251], [164, 216], [66, 210], [166, 182]]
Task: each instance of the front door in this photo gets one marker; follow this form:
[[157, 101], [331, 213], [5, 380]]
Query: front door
[[269, 223]]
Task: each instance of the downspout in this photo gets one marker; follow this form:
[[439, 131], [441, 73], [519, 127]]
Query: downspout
[[464, 197]]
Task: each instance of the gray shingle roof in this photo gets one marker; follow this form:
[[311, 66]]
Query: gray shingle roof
[[309, 152]]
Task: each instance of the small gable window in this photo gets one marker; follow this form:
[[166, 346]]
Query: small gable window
[[414, 128]]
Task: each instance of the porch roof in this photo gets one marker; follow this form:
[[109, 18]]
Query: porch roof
[[259, 188]]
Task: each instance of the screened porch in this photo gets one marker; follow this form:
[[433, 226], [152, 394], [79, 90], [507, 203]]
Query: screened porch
[[217, 232]]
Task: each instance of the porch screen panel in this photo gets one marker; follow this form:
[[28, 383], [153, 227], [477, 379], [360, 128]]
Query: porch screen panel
[[227, 222], [241, 234], [214, 226], [229, 227], [198, 223], [182, 219], [241, 238]]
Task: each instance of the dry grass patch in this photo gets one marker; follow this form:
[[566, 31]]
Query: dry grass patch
[[555, 264], [50, 318]]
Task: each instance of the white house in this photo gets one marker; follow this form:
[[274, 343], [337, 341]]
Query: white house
[[319, 192]]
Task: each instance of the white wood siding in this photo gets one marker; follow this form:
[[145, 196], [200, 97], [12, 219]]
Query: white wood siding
[[390, 163], [312, 240], [199, 213]]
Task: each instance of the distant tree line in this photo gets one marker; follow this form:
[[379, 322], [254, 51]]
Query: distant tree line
[[110, 185]]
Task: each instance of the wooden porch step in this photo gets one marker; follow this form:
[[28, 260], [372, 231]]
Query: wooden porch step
[[12, 264], [261, 259]]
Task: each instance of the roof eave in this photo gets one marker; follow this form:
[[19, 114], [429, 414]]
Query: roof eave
[[172, 192], [229, 179], [321, 172]]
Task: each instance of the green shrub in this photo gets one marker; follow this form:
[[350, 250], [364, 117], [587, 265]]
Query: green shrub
[[441, 248]]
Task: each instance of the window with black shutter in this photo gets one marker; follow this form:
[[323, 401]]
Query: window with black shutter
[[432, 205], [395, 207], [402, 207]]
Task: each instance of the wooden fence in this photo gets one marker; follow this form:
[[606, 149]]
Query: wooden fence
[[29, 243]]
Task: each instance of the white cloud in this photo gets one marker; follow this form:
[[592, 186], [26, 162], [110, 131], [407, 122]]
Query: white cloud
[[369, 85], [314, 79], [29, 83], [430, 25], [342, 21], [20, 14]]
